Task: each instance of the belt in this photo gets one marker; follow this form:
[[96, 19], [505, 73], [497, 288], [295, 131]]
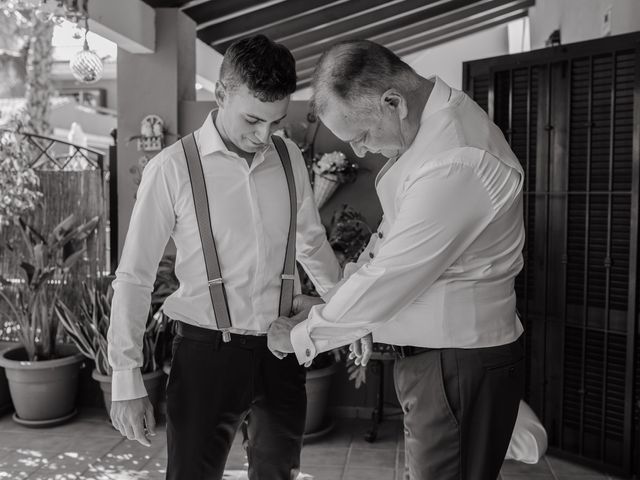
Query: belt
[[409, 351], [214, 337]]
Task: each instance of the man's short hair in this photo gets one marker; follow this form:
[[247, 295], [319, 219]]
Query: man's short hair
[[358, 72], [268, 69]]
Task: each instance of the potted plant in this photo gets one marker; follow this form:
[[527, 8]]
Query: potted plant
[[88, 330], [42, 372]]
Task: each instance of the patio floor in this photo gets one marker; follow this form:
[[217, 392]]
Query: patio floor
[[89, 448]]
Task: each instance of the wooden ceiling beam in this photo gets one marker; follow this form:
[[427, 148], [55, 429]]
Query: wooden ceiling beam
[[384, 26], [478, 12], [275, 18], [407, 49], [433, 38], [213, 12], [303, 17], [393, 15], [482, 9]]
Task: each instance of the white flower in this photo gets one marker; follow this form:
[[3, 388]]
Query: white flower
[[331, 162]]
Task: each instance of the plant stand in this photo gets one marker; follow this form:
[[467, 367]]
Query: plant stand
[[378, 360]]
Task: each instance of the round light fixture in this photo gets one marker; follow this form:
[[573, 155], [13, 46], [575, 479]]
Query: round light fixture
[[86, 65]]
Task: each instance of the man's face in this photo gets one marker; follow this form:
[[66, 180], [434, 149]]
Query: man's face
[[375, 132], [248, 121]]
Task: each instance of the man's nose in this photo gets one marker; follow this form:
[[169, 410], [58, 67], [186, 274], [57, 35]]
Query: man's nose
[[263, 132]]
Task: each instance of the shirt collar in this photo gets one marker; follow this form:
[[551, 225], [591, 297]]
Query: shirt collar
[[438, 99], [209, 139]]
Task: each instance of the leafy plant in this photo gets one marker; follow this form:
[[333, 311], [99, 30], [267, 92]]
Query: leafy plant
[[348, 234], [89, 328], [45, 262], [19, 184]]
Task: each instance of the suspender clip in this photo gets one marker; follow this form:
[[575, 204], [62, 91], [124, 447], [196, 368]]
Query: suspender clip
[[215, 281], [286, 276], [226, 336]]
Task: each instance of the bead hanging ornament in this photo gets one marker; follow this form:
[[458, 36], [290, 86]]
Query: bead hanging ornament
[[86, 65]]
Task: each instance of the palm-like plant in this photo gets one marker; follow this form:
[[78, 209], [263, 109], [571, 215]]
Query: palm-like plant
[[45, 263], [88, 329]]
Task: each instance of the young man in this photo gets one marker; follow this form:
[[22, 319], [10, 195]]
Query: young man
[[219, 375], [437, 279]]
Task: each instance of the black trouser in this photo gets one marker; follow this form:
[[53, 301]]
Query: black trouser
[[460, 407], [211, 389]]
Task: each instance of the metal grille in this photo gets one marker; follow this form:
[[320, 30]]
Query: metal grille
[[516, 113], [568, 115]]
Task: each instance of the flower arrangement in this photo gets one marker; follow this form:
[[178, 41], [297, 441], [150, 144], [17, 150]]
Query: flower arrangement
[[330, 171]]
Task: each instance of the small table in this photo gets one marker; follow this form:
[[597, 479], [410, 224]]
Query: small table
[[378, 361]]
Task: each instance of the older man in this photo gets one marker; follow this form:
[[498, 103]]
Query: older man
[[437, 279]]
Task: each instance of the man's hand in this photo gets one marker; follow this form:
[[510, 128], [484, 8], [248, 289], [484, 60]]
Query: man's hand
[[361, 350], [279, 335], [302, 304], [131, 417]]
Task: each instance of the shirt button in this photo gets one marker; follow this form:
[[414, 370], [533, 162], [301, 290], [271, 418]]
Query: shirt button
[[371, 255], [307, 352], [380, 235]]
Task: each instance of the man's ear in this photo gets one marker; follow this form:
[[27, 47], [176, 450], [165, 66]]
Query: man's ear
[[220, 94], [392, 99]]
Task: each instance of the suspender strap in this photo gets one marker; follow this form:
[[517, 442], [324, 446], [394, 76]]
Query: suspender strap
[[203, 215], [288, 274]]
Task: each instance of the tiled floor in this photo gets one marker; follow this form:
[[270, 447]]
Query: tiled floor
[[89, 449]]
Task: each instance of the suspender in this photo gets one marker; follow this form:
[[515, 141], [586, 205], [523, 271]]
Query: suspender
[[288, 271], [211, 260]]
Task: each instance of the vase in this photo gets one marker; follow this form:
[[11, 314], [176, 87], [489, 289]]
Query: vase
[[318, 385]]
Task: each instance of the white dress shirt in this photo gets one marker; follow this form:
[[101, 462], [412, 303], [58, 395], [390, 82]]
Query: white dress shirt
[[250, 217], [440, 271]]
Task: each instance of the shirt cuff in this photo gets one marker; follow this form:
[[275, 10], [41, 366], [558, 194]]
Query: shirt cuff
[[127, 385], [302, 343]]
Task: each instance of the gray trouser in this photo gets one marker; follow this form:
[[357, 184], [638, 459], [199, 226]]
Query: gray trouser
[[460, 406]]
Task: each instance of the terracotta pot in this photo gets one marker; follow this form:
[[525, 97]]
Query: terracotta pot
[[318, 385], [43, 392], [5, 395], [153, 382]]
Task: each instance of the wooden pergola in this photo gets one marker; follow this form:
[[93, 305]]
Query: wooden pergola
[[308, 27]]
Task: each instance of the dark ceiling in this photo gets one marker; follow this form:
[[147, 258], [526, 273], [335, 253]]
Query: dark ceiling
[[308, 27]]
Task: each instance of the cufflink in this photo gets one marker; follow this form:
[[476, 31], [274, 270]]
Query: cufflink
[[307, 352]]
